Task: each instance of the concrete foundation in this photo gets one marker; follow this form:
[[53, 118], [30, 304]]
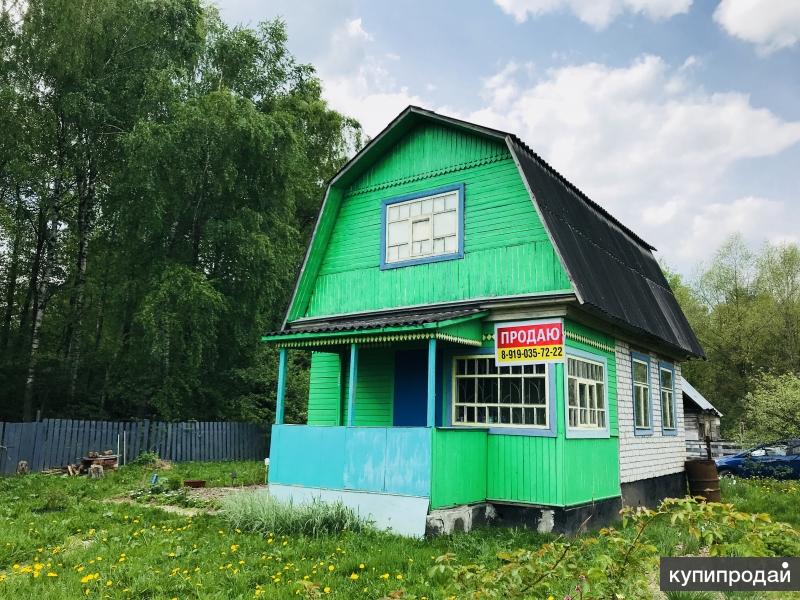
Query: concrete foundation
[[544, 519], [443, 521], [650, 492]]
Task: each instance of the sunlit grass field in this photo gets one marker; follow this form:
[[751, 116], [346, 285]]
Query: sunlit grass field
[[72, 537]]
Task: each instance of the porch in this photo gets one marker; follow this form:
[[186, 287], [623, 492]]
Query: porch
[[371, 439]]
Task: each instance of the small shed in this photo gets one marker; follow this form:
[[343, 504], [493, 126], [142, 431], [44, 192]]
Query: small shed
[[700, 416]]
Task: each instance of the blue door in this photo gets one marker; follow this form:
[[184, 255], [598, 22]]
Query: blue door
[[410, 388]]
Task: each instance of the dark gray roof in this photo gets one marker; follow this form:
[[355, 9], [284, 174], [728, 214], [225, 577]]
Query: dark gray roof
[[613, 270]]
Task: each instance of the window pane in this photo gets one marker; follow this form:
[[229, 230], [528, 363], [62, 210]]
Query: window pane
[[414, 209], [438, 204], [444, 224], [534, 390], [487, 390], [427, 207], [461, 366], [666, 379], [451, 244], [505, 414], [510, 390], [639, 372], [492, 413], [483, 366], [459, 414], [451, 201], [398, 233], [466, 390], [573, 392]]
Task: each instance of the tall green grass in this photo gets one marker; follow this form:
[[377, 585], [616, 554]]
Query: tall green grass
[[258, 512]]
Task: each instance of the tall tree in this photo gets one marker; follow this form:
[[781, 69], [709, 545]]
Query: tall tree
[[158, 181]]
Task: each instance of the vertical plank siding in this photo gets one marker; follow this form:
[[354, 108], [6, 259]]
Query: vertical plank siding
[[53, 443]]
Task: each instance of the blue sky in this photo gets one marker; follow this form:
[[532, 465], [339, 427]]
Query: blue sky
[[681, 117]]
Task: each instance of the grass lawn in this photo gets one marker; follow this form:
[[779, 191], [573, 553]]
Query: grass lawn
[[65, 538]]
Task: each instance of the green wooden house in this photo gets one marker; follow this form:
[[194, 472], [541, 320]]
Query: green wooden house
[[486, 343]]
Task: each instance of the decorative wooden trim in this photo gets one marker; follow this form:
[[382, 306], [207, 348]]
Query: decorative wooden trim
[[577, 337], [427, 174], [380, 339]]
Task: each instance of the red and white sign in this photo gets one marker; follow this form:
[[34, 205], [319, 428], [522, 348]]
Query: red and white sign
[[528, 342]]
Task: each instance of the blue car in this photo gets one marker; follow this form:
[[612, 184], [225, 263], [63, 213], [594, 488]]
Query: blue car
[[780, 460]]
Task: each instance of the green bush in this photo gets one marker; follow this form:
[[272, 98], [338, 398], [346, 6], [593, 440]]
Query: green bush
[[146, 459], [261, 513], [54, 499]]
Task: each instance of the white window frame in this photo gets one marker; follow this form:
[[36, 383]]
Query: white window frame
[[424, 202], [645, 385], [588, 382], [454, 404], [668, 399]]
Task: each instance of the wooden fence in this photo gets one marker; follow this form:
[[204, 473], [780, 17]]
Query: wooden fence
[[697, 449], [57, 442]]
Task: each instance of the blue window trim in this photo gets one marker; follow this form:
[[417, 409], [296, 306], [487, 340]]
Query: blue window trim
[[497, 430], [578, 432], [644, 431], [668, 367], [459, 253]]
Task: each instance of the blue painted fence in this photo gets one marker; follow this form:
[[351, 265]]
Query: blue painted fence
[[391, 460], [58, 442]]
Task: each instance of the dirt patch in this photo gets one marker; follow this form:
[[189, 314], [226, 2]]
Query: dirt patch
[[217, 493]]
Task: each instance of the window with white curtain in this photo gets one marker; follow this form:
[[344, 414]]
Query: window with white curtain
[[586, 395]]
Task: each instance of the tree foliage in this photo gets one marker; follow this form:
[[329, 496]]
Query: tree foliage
[[745, 309], [159, 176]]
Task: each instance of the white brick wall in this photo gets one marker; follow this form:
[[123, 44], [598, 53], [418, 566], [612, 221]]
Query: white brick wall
[[644, 457]]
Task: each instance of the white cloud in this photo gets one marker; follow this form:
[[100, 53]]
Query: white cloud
[[357, 80], [596, 13], [646, 142], [770, 24]]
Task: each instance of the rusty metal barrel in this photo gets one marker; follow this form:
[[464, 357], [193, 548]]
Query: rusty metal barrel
[[703, 479]]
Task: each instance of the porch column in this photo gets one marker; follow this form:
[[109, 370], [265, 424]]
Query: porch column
[[351, 388], [281, 386], [431, 382]]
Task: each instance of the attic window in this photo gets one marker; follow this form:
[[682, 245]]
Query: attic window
[[423, 227]]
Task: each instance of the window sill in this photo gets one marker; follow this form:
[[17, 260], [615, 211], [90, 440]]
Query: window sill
[[643, 432], [500, 430], [669, 432], [588, 434], [421, 261]]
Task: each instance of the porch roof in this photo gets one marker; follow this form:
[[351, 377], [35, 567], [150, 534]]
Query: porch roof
[[458, 326]]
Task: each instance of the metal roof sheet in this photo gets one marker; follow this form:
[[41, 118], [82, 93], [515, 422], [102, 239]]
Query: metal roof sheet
[[692, 394], [357, 323]]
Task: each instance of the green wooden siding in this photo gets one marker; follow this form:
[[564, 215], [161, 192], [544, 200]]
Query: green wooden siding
[[325, 389], [374, 388], [506, 248], [458, 467], [611, 361], [591, 470]]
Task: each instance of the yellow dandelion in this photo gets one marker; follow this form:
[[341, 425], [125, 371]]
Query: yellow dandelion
[[398, 577], [331, 567], [51, 574], [354, 576], [327, 589], [361, 566], [234, 547], [109, 583]]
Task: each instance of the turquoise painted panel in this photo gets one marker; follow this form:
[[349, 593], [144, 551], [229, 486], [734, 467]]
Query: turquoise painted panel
[[309, 456], [408, 461], [369, 459], [365, 459]]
